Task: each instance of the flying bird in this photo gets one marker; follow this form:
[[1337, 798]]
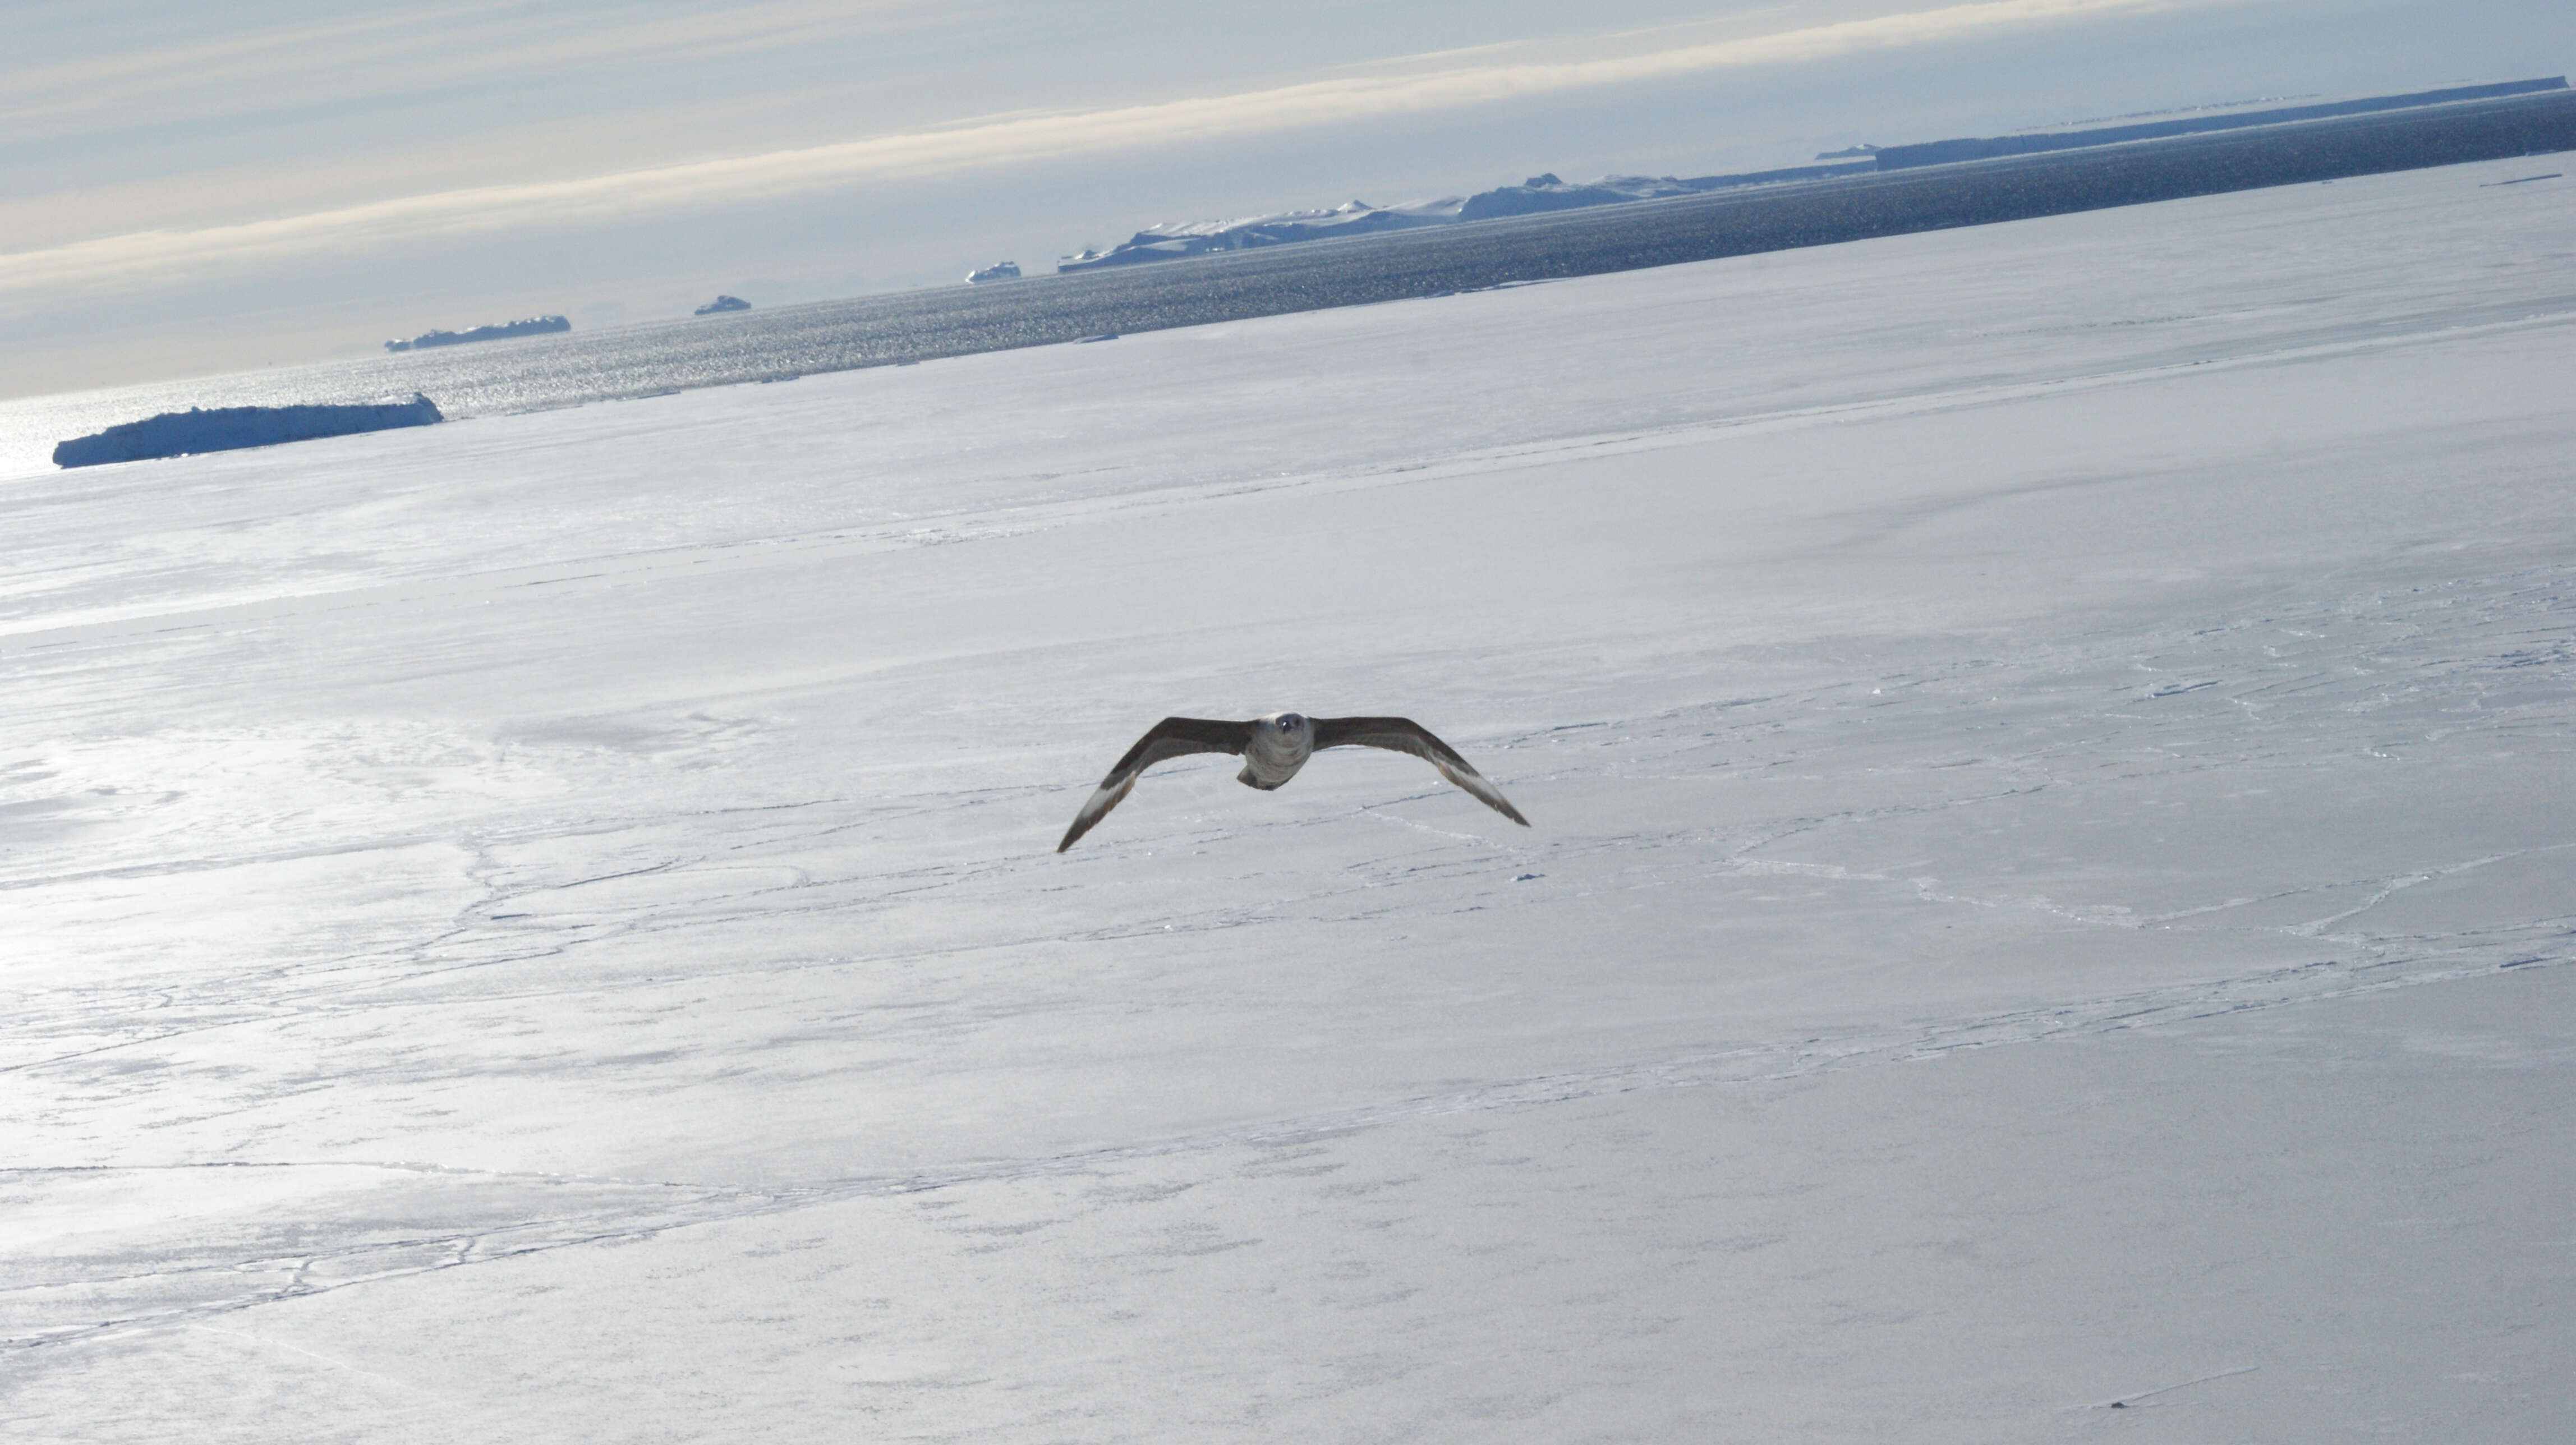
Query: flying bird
[[1273, 748]]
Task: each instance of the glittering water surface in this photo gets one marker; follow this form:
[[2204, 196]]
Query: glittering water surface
[[537, 373]]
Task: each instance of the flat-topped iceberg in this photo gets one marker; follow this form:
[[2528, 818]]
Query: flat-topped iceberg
[[230, 428]]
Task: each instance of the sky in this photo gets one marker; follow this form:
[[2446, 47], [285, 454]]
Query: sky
[[189, 190]]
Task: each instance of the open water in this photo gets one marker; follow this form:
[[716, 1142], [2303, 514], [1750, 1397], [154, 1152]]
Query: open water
[[536, 373]]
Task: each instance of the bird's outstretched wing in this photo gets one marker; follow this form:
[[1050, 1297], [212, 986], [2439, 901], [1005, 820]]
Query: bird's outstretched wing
[[1404, 735], [1173, 737]]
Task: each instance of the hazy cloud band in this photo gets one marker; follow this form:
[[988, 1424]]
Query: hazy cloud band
[[157, 256]]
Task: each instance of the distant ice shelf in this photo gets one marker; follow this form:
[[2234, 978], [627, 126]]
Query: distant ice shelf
[[179, 433], [1172, 240], [1977, 148], [1175, 240], [531, 326]]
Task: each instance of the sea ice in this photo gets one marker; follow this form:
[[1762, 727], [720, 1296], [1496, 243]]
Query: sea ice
[[2050, 749]]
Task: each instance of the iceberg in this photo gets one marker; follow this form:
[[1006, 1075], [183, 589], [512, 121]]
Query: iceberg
[[723, 303], [1547, 193], [998, 271], [531, 326], [1172, 240], [230, 428]]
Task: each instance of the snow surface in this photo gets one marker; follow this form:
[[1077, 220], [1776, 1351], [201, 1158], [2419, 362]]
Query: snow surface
[[2050, 748]]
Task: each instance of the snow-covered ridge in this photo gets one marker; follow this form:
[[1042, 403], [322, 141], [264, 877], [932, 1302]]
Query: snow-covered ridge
[[230, 428]]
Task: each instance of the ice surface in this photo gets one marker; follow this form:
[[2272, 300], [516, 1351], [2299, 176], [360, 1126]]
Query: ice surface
[[2050, 748]]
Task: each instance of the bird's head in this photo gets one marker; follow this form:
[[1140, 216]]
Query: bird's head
[[1288, 723]]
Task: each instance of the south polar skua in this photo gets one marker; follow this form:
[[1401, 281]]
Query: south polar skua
[[1273, 748]]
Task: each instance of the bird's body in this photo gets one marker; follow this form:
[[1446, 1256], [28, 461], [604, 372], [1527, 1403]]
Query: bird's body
[[1273, 748], [1278, 746]]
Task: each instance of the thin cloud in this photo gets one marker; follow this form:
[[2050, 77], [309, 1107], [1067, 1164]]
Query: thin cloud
[[174, 255], [216, 75]]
